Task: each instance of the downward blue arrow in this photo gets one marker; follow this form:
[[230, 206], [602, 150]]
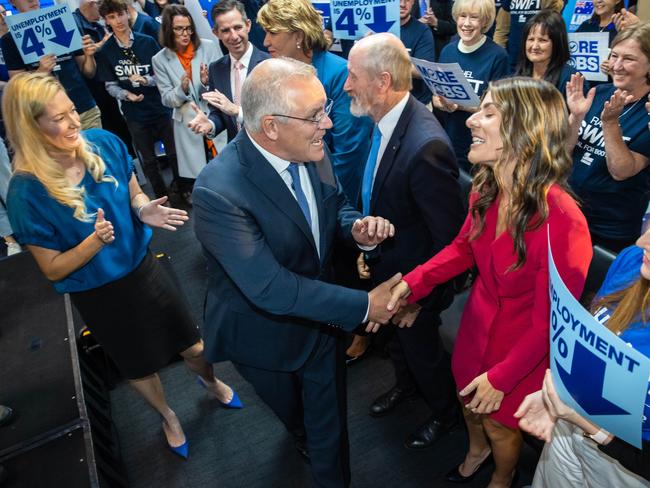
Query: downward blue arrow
[[379, 22], [585, 382], [62, 36]]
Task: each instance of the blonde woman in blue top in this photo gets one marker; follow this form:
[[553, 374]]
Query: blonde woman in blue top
[[75, 203]]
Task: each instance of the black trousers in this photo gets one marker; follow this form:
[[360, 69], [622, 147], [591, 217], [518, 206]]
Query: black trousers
[[421, 363], [311, 400], [145, 136]]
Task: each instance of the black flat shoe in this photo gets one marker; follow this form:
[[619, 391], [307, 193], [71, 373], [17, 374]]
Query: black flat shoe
[[454, 475]]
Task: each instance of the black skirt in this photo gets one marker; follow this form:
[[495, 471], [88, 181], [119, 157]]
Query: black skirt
[[140, 320]]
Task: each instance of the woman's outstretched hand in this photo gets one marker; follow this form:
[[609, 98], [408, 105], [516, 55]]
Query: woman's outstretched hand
[[156, 214]]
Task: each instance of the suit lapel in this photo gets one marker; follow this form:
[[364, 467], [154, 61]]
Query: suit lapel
[[318, 196], [224, 74], [271, 184], [388, 158], [196, 72]]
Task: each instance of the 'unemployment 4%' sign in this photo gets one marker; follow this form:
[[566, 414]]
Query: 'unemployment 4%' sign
[[45, 31], [352, 19], [595, 372]]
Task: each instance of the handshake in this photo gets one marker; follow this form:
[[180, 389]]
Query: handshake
[[387, 301]]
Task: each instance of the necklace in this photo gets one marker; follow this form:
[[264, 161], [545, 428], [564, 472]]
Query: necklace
[[630, 108]]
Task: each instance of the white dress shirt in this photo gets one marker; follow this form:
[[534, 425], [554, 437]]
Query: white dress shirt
[[243, 72], [282, 167], [387, 127]]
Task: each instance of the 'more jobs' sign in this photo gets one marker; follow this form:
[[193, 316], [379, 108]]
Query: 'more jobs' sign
[[448, 81]]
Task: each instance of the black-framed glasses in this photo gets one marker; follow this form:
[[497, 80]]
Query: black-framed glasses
[[315, 120], [183, 30]]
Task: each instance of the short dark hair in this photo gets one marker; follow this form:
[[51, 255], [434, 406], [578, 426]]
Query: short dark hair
[[225, 6], [552, 24], [112, 6], [166, 37]]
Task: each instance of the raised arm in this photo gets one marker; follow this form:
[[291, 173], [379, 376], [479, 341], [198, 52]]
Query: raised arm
[[622, 163], [232, 237]]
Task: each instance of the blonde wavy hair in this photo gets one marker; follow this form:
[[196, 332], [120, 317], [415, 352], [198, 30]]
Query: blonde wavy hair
[[294, 16], [534, 124], [23, 103]]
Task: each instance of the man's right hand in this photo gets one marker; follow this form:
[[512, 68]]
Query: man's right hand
[[132, 97], [201, 123], [47, 63], [378, 298]]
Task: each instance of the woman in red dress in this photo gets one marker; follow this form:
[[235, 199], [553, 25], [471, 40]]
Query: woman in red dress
[[519, 197]]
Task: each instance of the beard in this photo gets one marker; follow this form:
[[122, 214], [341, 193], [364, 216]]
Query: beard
[[357, 109]]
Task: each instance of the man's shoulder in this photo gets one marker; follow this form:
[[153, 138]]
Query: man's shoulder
[[422, 124], [223, 173]]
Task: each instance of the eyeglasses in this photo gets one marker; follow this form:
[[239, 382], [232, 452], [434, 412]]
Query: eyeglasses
[[183, 30], [315, 120]]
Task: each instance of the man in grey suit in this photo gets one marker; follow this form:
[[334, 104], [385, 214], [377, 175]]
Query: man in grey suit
[[226, 75], [267, 211]]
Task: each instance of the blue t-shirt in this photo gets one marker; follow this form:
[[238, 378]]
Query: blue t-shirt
[[622, 273], [146, 25], [565, 77], [68, 73], [37, 219], [418, 38], [520, 12], [591, 25], [614, 209], [117, 64], [489, 62]]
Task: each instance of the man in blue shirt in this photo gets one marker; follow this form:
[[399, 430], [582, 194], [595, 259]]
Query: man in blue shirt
[[68, 69]]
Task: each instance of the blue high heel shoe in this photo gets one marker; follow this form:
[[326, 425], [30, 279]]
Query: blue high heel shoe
[[182, 451], [234, 402]]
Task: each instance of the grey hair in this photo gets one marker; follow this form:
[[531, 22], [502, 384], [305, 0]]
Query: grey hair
[[385, 52], [264, 91]]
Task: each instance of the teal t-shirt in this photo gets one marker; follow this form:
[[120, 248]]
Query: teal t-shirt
[[37, 219]]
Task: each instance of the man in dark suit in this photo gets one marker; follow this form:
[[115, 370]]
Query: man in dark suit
[[226, 75], [266, 212], [410, 178]]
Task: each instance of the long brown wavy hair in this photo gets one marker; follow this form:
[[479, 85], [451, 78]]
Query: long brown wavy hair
[[533, 130], [628, 304]]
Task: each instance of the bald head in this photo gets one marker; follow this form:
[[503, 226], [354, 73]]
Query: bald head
[[384, 53]]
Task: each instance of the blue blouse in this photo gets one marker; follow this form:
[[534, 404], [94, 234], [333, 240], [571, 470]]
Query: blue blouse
[[621, 274], [39, 220]]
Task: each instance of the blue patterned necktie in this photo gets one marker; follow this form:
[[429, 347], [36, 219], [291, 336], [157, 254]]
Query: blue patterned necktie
[[300, 195], [369, 172]]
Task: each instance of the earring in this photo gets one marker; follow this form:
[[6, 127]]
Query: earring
[[298, 45]]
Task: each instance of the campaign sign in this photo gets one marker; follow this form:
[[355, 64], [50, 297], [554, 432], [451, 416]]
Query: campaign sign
[[353, 19], [588, 51], [324, 9], [595, 372], [45, 31], [576, 12], [447, 80]]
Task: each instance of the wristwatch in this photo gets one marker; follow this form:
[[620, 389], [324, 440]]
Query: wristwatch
[[599, 437]]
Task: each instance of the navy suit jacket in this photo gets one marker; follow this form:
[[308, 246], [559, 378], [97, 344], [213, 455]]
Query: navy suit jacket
[[219, 78], [269, 295], [417, 189]]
